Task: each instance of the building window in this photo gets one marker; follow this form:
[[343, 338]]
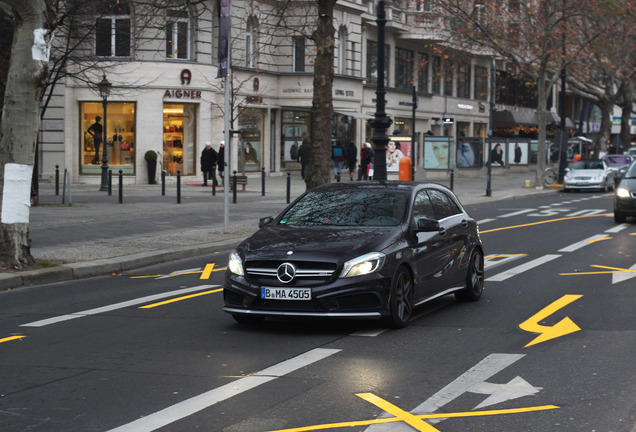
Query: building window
[[449, 69], [341, 66], [437, 75], [112, 31], [372, 63], [422, 74], [403, 68], [179, 135], [251, 40], [463, 81], [178, 34], [481, 83], [120, 137], [295, 125], [298, 54]]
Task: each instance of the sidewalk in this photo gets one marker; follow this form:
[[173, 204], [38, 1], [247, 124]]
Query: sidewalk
[[97, 235]]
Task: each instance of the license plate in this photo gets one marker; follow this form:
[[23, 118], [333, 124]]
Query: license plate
[[286, 293]]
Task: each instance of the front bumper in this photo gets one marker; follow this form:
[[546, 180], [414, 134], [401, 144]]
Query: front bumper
[[358, 297], [626, 206], [583, 184]]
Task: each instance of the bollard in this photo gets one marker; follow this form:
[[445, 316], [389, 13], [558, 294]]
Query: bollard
[[121, 187], [234, 180], [338, 178], [452, 179], [163, 182], [263, 182], [57, 179], [288, 187], [405, 169], [214, 183], [110, 182], [178, 186]]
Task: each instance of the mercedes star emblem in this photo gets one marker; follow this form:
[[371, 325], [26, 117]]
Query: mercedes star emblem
[[286, 272]]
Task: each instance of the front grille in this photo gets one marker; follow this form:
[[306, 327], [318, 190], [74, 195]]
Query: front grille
[[307, 273]]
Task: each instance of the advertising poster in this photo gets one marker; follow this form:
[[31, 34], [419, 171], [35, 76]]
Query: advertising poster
[[437, 152], [517, 153], [396, 149]]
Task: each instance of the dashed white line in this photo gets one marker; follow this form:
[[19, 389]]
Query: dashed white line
[[522, 268]]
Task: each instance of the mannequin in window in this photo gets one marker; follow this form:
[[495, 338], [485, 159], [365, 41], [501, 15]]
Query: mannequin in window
[[96, 131]]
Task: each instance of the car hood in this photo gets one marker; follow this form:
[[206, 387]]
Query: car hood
[[335, 244], [629, 184], [586, 172]]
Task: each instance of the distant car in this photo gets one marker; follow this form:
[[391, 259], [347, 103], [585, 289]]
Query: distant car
[[632, 152], [363, 250], [589, 174], [625, 196], [619, 163]]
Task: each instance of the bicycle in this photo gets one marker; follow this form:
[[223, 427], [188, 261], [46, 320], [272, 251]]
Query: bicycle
[[549, 176]]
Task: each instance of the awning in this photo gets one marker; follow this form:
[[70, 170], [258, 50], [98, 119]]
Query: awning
[[507, 119], [354, 114]]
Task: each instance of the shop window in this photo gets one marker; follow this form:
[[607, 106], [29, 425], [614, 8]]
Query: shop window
[[112, 31], [178, 34], [250, 140], [179, 131], [295, 126], [120, 137]]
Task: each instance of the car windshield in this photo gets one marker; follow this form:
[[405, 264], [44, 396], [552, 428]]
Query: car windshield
[[588, 164], [348, 207], [618, 160], [631, 172]]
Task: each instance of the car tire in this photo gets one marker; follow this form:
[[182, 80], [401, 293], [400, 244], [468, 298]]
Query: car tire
[[566, 190], [401, 300], [474, 279], [248, 319], [619, 217]]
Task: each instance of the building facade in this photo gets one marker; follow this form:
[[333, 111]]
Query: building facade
[[165, 96]]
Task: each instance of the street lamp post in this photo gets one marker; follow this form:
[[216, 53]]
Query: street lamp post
[[380, 123], [103, 87]]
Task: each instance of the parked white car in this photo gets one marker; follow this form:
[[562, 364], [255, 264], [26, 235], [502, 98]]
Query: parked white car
[[589, 174]]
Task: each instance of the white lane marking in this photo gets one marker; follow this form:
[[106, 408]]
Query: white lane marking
[[483, 221], [622, 276], [522, 268], [618, 228], [369, 333], [587, 212], [493, 261], [180, 273], [116, 306], [517, 213], [472, 381], [578, 245], [195, 404]]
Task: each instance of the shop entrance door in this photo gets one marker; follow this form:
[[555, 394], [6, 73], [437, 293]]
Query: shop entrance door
[[179, 132]]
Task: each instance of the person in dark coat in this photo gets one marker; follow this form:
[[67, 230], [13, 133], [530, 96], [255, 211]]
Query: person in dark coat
[[303, 157], [366, 158], [208, 164], [351, 156], [220, 161]]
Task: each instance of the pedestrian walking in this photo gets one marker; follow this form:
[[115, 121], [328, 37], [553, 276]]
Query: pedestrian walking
[[208, 163], [220, 161], [366, 159], [337, 156], [304, 154], [351, 153]]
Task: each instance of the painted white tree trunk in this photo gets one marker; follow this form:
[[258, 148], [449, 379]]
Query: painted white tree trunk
[[27, 75]]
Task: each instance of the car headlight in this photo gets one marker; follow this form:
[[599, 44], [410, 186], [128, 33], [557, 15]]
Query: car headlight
[[363, 265], [622, 193], [235, 265]]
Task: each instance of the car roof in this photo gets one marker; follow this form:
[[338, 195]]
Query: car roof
[[380, 184]]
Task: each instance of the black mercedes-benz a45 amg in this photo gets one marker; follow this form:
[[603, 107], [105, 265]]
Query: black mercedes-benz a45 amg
[[359, 250]]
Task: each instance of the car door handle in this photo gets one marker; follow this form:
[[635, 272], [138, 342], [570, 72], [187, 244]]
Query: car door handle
[[464, 223], [442, 231]]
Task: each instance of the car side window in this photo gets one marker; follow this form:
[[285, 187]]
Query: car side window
[[442, 205], [422, 207]]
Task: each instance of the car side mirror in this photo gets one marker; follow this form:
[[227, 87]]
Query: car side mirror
[[264, 221], [567, 170], [427, 225]]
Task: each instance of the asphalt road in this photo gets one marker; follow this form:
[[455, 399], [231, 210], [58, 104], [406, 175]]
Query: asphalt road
[[549, 347]]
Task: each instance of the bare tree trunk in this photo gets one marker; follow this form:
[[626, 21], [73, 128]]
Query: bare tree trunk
[[627, 104], [19, 128], [542, 103], [322, 104], [606, 106]]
